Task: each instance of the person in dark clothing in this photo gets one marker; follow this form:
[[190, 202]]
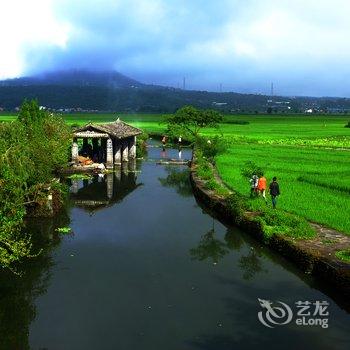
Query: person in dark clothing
[[274, 191]]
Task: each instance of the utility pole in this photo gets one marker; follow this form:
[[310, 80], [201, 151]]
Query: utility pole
[[271, 91]]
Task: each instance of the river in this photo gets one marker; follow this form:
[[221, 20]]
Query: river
[[147, 268]]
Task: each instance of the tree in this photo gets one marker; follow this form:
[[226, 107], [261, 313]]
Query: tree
[[188, 121], [31, 149], [49, 138]]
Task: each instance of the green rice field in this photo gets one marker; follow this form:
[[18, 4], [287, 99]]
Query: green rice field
[[310, 155], [314, 183]]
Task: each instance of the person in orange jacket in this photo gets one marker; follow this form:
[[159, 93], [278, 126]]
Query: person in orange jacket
[[262, 186]]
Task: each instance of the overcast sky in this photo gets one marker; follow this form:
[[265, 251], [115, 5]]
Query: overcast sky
[[302, 46]]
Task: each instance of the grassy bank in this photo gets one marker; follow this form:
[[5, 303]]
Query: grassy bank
[[270, 221], [315, 183]]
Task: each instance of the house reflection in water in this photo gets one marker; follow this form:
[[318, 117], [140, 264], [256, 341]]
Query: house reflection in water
[[104, 190]]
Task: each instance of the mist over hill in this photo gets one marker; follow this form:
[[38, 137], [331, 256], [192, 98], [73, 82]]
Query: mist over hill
[[75, 77], [83, 90]]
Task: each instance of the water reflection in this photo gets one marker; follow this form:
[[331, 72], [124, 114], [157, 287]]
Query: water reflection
[[233, 240], [251, 264], [209, 247], [19, 291], [104, 190], [212, 248], [126, 277], [177, 178]]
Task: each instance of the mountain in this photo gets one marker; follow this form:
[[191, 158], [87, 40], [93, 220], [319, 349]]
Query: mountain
[[75, 78], [82, 90]]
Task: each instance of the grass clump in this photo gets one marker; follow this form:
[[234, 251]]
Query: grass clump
[[79, 177], [237, 205], [343, 255], [64, 230], [211, 184], [282, 223], [206, 173]]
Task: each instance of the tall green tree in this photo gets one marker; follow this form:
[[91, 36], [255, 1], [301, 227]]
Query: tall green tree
[[32, 148], [49, 138], [188, 121]]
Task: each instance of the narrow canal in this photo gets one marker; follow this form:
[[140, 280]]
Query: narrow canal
[[147, 268]]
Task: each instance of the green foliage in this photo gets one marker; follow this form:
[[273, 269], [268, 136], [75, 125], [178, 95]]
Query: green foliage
[[279, 222], [64, 230], [347, 125], [211, 147], [205, 171], [188, 121], [237, 205], [343, 255], [141, 145], [250, 168], [211, 184], [237, 122], [80, 177], [31, 149], [49, 139]]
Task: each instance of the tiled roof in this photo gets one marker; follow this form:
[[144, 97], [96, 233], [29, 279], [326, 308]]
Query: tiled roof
[[118, 129]]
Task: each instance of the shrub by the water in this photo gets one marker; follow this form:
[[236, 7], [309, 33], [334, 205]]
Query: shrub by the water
[[141, 145], [237, 206], [211, 147], [343, 255], [32, 148], [279, 222]]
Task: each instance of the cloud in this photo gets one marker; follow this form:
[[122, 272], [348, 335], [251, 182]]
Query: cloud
[[21, 32], [302, 46]]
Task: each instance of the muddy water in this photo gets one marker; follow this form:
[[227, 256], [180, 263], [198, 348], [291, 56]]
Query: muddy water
[[147, 268]]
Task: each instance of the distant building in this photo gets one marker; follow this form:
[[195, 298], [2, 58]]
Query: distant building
[[219, 104]]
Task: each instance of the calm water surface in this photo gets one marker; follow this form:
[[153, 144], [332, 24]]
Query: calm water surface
[[147, 268]]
